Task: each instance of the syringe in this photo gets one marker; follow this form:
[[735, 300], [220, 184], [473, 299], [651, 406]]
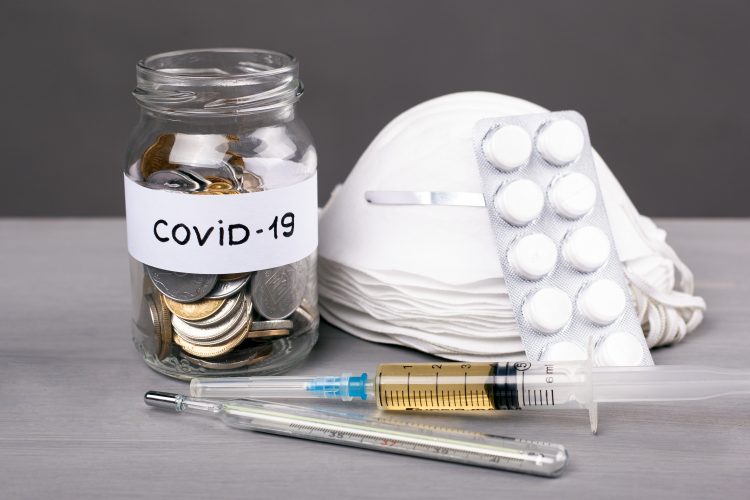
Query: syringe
[[361, 431], [492, 386]]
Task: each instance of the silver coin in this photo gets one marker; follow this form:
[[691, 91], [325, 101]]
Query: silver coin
[[213, 334], [302, 318], [223, 170], [182, 287], [277, 292], [202, 181], [274, 324], [251, 183], [226, 288], [230, 308], [172, 179], [148, 319]]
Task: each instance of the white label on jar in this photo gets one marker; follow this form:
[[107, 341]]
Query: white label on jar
[[222, 233]]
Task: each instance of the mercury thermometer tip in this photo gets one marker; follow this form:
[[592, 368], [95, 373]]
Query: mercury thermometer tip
[[164, 400]]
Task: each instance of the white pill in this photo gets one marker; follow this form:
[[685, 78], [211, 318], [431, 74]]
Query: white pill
[[508, 148], [586, 249], [572, 195], [519, 202], [563, 351], [560, 142], [533, 256], [548, 310], [602, 301], [618, 349]]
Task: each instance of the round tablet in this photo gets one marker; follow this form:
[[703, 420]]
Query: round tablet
[[548, 310], [563, 351], [519, 202], [533, 256], [602, 301], [618, 349], [572, 195], [560, 142], [586, 249], [508, 148]]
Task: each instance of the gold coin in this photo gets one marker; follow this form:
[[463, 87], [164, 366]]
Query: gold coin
[[212, 351], [220, 186], [235, 160], [228, 191], [166, 327], [238, 358], [267, 334], [156, 157], [194, 311], [263, 355]]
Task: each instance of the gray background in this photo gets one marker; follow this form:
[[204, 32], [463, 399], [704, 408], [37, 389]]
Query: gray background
[[662, 84]]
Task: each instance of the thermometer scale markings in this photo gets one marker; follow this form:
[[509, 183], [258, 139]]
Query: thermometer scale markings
[[330, 434]]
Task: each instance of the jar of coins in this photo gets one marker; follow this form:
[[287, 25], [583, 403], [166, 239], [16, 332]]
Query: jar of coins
[[221, 204]]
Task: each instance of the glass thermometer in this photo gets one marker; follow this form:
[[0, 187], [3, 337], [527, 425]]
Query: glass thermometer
[[450, 445]]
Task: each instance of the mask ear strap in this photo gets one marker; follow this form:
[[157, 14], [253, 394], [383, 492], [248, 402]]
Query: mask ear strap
[[444, 198], [668, 315]]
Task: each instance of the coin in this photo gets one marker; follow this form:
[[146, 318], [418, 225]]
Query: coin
[[228, 191], [212, 334], [230, 308], [263, 355], [152, 313], [236, 161], [219, 184], [221, 171], [274, 324], [267, 334], [233, 276], [182, 287], [302, 318], [166, 327], [225, 288], [194, 311], [156, 157], [209, 351], [251, 183], [190, 172], [174, 179], [235, 359], [277, 292]]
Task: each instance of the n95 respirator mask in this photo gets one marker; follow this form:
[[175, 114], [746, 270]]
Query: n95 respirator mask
[[424, 272]]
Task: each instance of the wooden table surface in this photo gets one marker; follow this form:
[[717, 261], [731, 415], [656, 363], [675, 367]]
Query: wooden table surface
[[73, 423]]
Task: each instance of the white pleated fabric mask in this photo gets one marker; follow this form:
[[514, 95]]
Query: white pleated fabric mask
[[428, 277]]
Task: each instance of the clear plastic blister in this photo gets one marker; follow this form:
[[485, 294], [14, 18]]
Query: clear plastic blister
[[565, 281]]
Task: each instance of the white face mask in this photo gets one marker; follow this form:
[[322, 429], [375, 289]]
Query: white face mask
[[428, 276]]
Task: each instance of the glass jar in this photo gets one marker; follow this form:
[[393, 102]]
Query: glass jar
[[223, 284]]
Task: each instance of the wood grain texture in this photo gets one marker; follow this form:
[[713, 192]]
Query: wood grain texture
[[73, 425]]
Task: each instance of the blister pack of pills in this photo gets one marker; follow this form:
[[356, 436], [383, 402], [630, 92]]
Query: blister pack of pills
[[564, 279]]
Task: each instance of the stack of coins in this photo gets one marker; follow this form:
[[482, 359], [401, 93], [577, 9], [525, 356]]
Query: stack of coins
[[218, 321]]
